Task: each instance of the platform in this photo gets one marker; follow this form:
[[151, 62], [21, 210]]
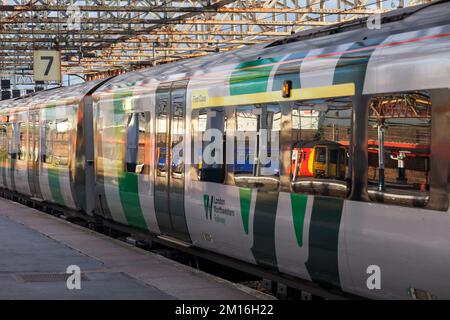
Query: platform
[[36, 249]]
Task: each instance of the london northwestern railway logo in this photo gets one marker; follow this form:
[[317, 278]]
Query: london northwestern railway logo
[[208, 205]]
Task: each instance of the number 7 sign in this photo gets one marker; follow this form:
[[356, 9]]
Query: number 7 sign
[[47, 65]]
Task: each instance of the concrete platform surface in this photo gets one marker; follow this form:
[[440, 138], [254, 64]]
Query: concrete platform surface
[[36, 249]]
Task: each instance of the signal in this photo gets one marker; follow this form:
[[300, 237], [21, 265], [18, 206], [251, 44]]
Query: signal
[[287, 87]]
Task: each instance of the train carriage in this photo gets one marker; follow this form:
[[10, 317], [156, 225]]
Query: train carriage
[[374, 103]]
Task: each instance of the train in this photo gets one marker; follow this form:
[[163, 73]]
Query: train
[[355, 197], [317, 158]]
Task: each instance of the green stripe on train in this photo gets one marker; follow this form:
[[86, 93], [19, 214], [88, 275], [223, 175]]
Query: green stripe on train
[[55, 186], [52, 170], [252, 76], [245, 198], [264, 219], [128, 182], [322, 264]]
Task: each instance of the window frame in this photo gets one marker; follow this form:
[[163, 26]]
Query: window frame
[[144, 167], [438, 196], [197, 166], [346, 179], [272, 182]]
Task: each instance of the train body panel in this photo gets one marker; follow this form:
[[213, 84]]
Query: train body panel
[[129, 196], [409, 246], [331, 241], [419, 57], [292, 233], [220, 218], [57, 151], [108, 132]]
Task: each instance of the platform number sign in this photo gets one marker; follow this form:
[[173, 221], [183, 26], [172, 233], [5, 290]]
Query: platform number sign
[[47, 65]]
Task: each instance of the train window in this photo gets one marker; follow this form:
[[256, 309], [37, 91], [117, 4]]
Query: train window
[[33, 145], [177, 130], [137, 135], [55, 142], [320, 152], [15, 149], [210, 162], [22, 147], [10, 146], [46, 141], [257, 146], [399, 139]]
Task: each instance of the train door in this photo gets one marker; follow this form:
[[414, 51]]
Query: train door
[[169, 175], [33, 154]]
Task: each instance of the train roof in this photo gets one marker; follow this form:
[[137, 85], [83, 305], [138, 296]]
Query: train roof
[[312, 144], [397, 21], [433, 12], [58, 94]]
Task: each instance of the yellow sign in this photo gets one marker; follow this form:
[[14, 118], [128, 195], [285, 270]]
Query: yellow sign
[[201, 99], [47, 65]]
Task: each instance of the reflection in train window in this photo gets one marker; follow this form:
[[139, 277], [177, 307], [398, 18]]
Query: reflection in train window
[[11, 137], [33, 145], [177, 130], [22, 147], [55, 142], [46, 141], [15, 148], [213, 119], [320, 152], [399, 137], [137, 132], [3, 141], [257, 146]]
